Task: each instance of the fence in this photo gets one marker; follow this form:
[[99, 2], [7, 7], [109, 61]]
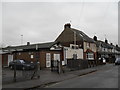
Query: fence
[[74, 64], [55, 65], [82, 64], [77, 64], [15, 75]]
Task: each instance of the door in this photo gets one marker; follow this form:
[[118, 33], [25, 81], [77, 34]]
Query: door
[[10, 58], [48, 60], [57, 57], [58, 64]]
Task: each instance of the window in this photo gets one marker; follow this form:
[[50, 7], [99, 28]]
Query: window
[[48, 60], [48, 57], [74, 47], [19, 53], [29, 53], [22, 61], [31, 56], [87, 45], [90, 56], [80, 46]]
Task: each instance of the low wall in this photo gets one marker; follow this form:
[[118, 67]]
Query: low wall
[[77, 64], [82, 64]]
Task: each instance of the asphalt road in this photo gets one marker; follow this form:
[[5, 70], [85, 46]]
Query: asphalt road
[[105, 78]]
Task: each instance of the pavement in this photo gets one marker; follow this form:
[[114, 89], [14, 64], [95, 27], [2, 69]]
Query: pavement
[[47, 77]]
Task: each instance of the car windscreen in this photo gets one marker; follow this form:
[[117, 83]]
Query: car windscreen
[[26, 61], [118, 59], [22, 61]]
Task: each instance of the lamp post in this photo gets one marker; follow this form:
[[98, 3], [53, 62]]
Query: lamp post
[[21, 39]]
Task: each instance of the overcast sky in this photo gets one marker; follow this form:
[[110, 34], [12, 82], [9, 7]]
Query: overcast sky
[[40, 22]]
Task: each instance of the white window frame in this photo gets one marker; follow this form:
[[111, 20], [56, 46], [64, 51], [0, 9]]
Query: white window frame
[[32, 56], [90, 56], [48, 59]]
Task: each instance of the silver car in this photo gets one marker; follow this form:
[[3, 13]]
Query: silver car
[[117, 61]]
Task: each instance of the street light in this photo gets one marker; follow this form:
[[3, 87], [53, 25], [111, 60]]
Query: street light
[[21, 39]]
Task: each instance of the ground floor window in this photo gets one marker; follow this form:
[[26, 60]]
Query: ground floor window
[[48, 60], [90, 56]]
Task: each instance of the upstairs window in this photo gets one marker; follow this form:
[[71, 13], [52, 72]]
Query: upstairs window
[[87, 45]]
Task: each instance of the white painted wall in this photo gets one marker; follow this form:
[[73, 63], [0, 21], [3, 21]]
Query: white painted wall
[[91, 46], [10, 58], [0, 51], [70, 52]]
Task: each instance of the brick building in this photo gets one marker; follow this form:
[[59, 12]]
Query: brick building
[[83, 45], [42, 52]]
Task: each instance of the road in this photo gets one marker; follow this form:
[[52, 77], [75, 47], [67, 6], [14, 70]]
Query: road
[[105, 78]]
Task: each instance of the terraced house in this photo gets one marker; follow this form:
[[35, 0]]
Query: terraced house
[[106, 50], [71, 44], [76, 44]]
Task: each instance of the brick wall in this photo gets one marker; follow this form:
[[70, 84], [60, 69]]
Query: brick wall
[[40, 56], [4, 59]]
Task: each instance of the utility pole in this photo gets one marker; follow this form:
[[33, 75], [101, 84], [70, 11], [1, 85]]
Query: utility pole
[[75, 41], [75, 54]]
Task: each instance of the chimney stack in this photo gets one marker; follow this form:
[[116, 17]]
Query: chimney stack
[[68, 25], [106, 41], [28, 43], [95, 38], [116, 45]]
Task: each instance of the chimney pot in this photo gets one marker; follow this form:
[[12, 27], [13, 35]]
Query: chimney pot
[[106, 41], [95, 38], [116, 45], [28, 43], [68, 25]]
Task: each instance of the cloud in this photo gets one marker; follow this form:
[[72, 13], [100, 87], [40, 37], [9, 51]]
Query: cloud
[[42, 22]]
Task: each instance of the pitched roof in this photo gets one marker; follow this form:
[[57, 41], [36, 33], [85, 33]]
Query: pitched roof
[[68, 36], [103, 44], [32, 46], [83, 35]]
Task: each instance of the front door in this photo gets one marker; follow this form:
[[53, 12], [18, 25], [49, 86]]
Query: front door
[[57, 57], [48, 60], [10, 58]]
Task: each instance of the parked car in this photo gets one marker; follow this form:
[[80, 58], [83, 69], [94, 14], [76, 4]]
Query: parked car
[[22, 64], [102, 60], [117, 61]]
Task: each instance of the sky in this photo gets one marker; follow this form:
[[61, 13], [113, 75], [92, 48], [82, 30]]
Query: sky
[[40, 22]]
